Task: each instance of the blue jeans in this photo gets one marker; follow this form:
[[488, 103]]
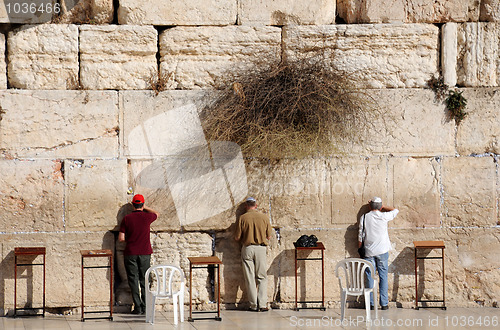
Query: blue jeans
[[381, 264]]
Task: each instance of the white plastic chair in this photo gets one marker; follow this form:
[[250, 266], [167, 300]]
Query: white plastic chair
[[352, 282], [164, 279]]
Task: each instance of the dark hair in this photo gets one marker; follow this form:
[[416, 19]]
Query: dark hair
[[138, 205]]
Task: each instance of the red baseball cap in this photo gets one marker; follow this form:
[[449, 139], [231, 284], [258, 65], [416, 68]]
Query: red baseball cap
[[138, 199]]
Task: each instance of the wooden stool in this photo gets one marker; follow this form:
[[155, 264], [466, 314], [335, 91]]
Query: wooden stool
[[98, 254], [321, 247], [204, 262], [428, 245], [28, 251]]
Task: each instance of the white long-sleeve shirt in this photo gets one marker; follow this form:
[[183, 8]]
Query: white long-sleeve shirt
[[376, 235]]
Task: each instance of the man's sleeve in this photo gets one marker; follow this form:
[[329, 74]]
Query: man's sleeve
[[122, 226], [389, 216], [237, 231]]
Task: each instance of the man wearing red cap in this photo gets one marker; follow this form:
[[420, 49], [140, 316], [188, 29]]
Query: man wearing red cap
[[134, 230]]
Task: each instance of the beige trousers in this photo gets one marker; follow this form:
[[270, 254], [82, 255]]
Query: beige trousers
[[254, 262]]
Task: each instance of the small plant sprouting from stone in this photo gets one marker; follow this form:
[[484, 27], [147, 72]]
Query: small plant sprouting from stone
[[454, 100], [456, 103], [158, 81], [439, 87]]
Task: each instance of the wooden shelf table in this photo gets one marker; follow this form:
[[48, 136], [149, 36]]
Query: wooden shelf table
[[428, 245], [204, 262], [20, 252], [98, 254], [319, 246]]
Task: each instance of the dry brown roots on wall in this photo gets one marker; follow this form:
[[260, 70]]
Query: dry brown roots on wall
[[290, 109]]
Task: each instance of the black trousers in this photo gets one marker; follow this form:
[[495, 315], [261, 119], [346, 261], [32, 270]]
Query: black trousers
[[136, 267]]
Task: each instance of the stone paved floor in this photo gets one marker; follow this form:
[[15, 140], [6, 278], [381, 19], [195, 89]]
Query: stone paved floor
[[394, 318]]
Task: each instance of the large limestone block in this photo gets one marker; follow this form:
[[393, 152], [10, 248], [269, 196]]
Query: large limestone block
[[354, 182], [86, 12], [190, 183], [51, 124], [478, 61], [416, 192], [166, 125], [469, 190], [177, 12], [490, 11], [408, 122], [194, 57], [372, 56], [3, 65], [480, 131], [31, 196], [300, 193], [95, 191], [282, 12], [43, 56], [63, 270], [403, 11], [117, 57]]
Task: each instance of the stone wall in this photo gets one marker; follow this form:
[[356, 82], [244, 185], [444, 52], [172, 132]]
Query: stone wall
[[81, 130]]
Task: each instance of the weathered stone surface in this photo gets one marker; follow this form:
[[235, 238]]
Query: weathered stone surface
[[449, 56], [478, 61], [3, 65], [415, 184], [95, 191], [479, 132], [300, 192], [372, 56], [282, 12], [167, 125], [490, 11], [86, 12], [195, 57], [469, 192], [50, 124], [402, 11], [118, 56], [409, 123], [175, 248], [63, 270], [354, 182], [43, 56], [189, 183], [31, 196], [177, 12]]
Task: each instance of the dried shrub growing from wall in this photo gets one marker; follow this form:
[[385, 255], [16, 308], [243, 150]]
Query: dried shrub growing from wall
[[289, 109]]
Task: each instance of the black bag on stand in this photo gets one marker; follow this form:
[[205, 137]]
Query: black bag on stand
[[361, 250], [306, 241]]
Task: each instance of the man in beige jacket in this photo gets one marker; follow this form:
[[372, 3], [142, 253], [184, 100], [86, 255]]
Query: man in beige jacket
[[253, 231]]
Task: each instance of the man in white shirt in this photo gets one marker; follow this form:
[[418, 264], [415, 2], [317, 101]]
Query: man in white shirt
[[373, 232]]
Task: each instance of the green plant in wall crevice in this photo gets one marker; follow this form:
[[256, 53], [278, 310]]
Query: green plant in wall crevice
[[456, 103], [454, 100]]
